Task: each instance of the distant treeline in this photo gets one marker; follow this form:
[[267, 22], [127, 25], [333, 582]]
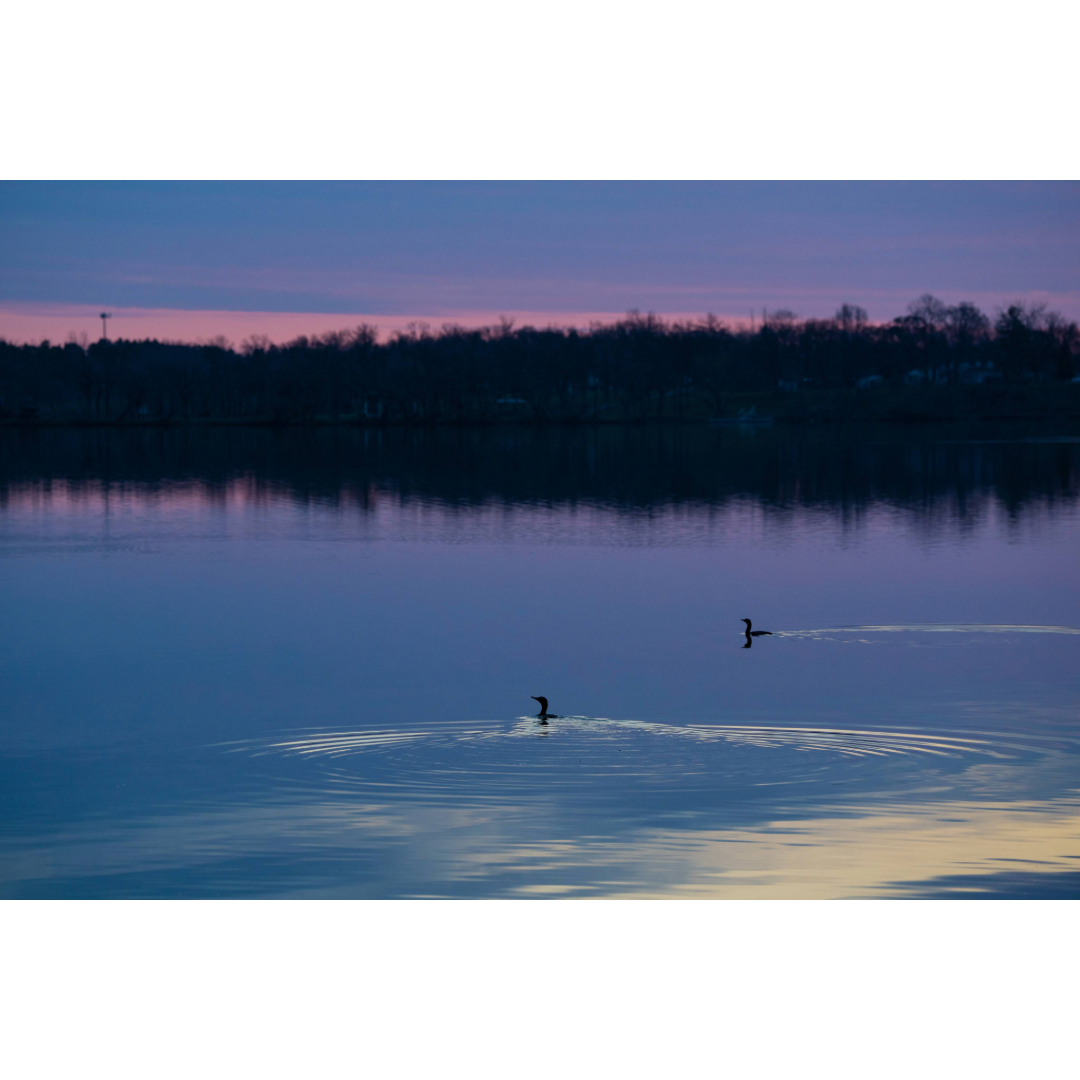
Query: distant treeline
[[637, 369]]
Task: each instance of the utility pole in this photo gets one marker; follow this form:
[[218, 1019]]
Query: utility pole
[[104, 333]]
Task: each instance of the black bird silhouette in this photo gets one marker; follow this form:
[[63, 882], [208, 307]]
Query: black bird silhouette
[[754, 633], [544, 714]]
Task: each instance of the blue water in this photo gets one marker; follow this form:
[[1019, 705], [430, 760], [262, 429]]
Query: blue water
[[274, 664]]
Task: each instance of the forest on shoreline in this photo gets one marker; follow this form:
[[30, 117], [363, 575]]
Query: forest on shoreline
[[935, 362]]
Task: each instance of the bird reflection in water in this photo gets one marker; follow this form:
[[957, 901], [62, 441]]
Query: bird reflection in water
[[751, 633]]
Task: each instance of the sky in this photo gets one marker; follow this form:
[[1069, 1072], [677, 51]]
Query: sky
[[193, 260]]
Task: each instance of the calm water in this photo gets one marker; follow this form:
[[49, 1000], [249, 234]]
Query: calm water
[[248, 663]]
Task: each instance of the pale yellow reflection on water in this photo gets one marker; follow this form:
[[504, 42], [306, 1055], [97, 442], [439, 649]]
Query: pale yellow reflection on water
[[833, 858]]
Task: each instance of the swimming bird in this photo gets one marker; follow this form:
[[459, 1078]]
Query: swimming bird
[[755, 633], [544, 714]]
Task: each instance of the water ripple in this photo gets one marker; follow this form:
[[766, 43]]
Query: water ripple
[[839, 633], [335, 744], [845, 742]]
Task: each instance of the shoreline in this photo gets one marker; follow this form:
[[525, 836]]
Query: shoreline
[[918, 405]]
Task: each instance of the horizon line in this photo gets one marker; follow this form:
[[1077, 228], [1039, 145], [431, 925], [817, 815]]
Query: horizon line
[[32, 322]]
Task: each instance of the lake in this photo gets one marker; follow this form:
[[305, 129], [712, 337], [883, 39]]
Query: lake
[[301, 662]]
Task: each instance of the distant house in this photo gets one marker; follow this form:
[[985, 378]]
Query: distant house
[[976, 374], [918, 377], [868, 381], [793, 386]]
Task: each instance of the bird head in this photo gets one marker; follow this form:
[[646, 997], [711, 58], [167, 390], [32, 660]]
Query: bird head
[[747, 621], [542, 700]]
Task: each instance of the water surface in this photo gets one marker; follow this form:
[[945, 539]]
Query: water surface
[[300, 663]]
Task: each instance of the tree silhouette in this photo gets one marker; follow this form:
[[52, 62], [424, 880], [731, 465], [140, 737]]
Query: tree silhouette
[[640, 368]]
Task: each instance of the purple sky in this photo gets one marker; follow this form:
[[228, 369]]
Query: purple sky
[[474, 250]]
